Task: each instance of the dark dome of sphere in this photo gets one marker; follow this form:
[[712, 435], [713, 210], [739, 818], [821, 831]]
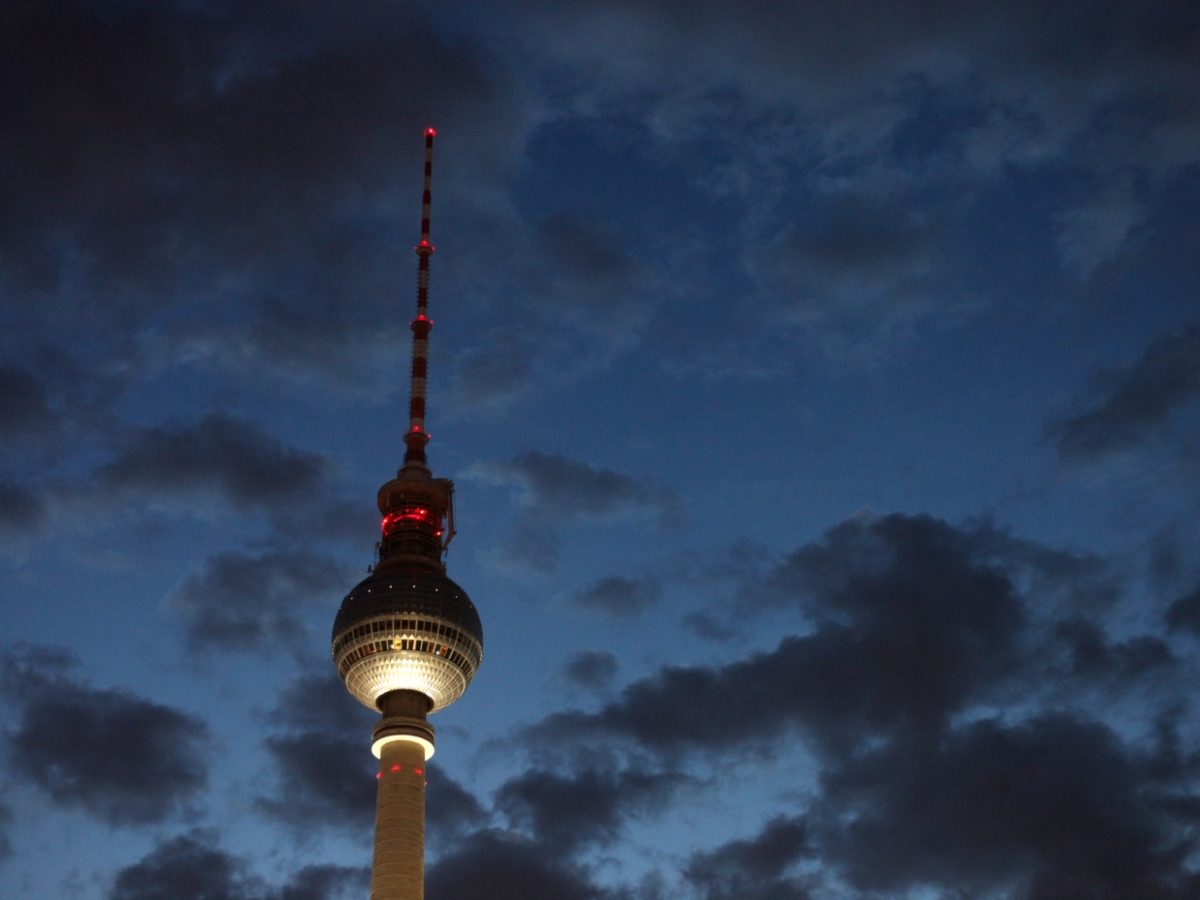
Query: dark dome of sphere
[[408, 590]]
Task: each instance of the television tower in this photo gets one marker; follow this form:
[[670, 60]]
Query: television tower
[[407, 640]]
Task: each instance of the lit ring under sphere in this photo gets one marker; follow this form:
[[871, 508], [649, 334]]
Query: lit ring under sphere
[[407, 628]]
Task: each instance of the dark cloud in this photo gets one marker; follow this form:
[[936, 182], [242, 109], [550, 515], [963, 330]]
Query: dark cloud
[[708, 626], [586, 275], [729, 565], [193, 865], [492, 865], [186, 866], [268, 105], [753, 869], [915, 621], [1184, 613], [858, 255], [1059, 804], [494, 375], [326, 882], [1095, 232], [1132, 407], [320, 702], [6, 818], [564, 489], [324, 781], [908, 121], [584, 299], [24, 406], [239, 602], [568, 812], [1044, 78], [323, 774], [450, 810], [592, 669], [239, 161], [532, 542], [119, 757], [21, 510], [619, 596], [232, 456], [915, 626], [555, 490], [1096, 659]]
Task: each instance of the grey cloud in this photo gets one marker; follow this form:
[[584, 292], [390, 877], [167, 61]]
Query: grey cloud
[[451, 811], [229, 455], [142, 762], [24, 406], [888, 136], [1094, 658], [915, 626], [193, 865], [1050, 74], [21, 510], [1094, 233], [914, 621], [238, 602], [319, 702], [592, 669], [587, 276], [179, 153], [854, 243], [492, 865], [1057, 803], [565, 489], [582, 300], [618, 596], [1132, 407], [495, 375], [865, 270], [326, 882], [532, 543], [1184, 613], [189, 865], [6, 818], [735, 564], [568, 812], [709, 626], [325, 780], [754, 868], [555, 490]]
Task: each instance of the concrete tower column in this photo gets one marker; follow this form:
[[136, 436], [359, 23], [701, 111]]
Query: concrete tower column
[[398, 864], [403, 741]]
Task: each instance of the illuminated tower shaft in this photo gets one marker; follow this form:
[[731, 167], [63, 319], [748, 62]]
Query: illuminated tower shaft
[[403, 743], [398, 863], [407, 640]]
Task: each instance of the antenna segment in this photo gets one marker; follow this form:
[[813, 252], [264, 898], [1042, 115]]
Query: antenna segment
[[416, 437]]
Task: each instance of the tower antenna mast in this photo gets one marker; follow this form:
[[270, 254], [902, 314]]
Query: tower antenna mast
[[417, 437], [407, 640]]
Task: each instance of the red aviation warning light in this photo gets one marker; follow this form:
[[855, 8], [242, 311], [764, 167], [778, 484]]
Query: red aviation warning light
[[415, 514]]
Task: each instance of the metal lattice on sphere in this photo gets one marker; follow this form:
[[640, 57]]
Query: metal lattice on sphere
[[410, 629]]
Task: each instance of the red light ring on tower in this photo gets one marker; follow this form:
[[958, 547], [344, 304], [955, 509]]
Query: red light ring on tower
[[415, 514]]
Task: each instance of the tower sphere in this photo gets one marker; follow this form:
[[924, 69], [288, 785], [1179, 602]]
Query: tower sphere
[[407, 628]]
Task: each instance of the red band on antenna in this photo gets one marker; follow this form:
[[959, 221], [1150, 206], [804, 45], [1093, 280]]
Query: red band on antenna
[[416, 437]]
